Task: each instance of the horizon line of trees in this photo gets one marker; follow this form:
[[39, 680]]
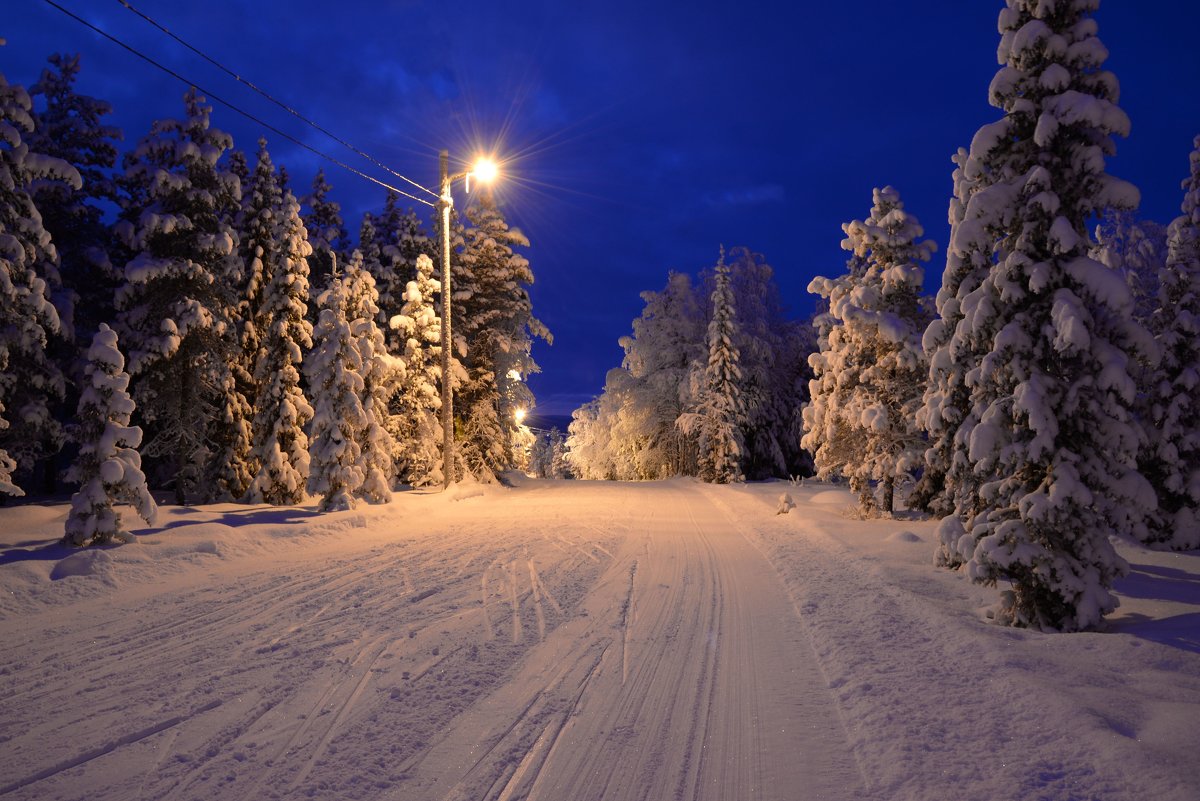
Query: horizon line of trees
[[222, 337]]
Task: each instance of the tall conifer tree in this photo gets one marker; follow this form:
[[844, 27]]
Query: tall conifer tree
[[280, 446], [381, 375], [1172, 460], [1048, 337], [870, 371], [415, 407], [334, 370], [326, 233], [493, 317], [71, 127], [29, 380], [108, 467], [176, 308], [719, 417]]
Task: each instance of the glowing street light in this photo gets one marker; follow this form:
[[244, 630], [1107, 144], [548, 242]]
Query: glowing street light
[[519, 416], [485, 171]]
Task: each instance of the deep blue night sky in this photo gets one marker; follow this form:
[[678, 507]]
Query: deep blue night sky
[[640, 136]]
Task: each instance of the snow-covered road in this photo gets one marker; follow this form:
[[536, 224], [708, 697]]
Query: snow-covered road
[[568, 640], [684, 675]]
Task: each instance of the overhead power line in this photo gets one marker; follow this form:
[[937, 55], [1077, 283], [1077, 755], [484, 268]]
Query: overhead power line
[[268, 96], [237, 109]]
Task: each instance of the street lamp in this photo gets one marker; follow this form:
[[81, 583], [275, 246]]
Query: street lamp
[[484, 171]]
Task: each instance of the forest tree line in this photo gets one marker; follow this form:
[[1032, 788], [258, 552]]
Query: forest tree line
[[262, 352]]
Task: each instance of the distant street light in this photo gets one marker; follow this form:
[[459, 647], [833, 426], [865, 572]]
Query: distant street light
[[485, 171]]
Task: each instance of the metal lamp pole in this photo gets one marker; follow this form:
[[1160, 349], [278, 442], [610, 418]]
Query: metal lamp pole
[[445, 202], [484, 171]]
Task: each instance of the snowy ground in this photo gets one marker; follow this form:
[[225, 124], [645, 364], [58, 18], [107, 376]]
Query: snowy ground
[[572, 640]]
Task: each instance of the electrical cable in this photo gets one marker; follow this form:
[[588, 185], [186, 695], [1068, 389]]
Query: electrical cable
[[235, 108], [279, 103]]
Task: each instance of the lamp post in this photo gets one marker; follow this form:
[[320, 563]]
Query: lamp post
[[484, 170]]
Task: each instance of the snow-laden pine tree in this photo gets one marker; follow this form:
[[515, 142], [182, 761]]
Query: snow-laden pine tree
[[257, 223], [559, 464], [411, 243], [1048, 338], [175, 310], [280, 445], [1172, 459], [29, 380], [645, 396], [381, 375], [399, 238], [539, 455], [417, 404], [239, 167], [870, 371], [108, 467], [947, 398], [259, 230], [719, 416], [70, 126], [334, 371], [548, 455], [588, 443], [493, 331], [326, 233], [391, 273], [773, 361], [1137, 250]]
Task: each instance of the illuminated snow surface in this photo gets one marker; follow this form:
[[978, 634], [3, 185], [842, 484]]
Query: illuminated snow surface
[[571, 640]]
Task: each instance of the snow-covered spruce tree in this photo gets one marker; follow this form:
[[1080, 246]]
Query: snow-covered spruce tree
[[1049, 336], [70, 126], [410, 243], [259, 231], [175, 311], [239, 167], [391, 275], [334, 370], [280, 446], [719, 416], [1137, 250], [493, 330], [381, 375], [1172, 458], [399, 239], [326, 233], [29, 380], [559, 465], [645, 396], [588, 441], [871, 369], [548, 455], [416, 405], [108, 467], [947, 399], [233, 466], [774, 353], [539, 455]]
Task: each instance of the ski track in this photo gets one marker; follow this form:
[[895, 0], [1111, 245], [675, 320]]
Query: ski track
[[645, 654], [686, 675]]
